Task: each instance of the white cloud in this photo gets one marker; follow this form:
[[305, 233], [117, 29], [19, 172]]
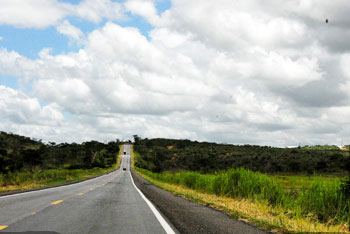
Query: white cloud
[[10, 60], [1, 38], [284, 71], [96, 10], [345, 64], [17, 107], [144, 8], [32, 13], [227, 71], [69, 30], [338, 115], [45, 13]]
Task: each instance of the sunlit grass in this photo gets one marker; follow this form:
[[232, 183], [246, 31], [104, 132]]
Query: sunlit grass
[[119, 157], [134, 156], [322, 201], [300, 181], [259, 213]]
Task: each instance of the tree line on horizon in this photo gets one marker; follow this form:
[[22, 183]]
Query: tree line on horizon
[[20, 153], [159, 155]]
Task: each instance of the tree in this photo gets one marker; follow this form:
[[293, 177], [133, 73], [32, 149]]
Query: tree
[[4, 167], [32, 158], [136, 139]]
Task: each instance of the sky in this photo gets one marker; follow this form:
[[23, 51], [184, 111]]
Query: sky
[[242, 72]]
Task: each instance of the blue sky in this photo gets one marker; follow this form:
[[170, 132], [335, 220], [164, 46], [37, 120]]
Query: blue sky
[[226, 71], [30, 41]]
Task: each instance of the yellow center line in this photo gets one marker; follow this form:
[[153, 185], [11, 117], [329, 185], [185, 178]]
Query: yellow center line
[[79, 194], [3, 227], [57, 202]]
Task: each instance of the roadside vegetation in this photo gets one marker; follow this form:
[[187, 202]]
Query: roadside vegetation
[[159, 155], [28, 163], [297, 182], [304, 191], [37, 179], [256, 212]]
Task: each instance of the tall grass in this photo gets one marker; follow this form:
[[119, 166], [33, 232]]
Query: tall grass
[[322, 201], [325, 201]]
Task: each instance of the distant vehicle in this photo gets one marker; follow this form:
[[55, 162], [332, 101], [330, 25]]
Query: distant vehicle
[[124, 153], [124, 169]]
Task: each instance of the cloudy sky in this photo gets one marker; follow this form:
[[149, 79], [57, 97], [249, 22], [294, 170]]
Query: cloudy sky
[[247, 71]]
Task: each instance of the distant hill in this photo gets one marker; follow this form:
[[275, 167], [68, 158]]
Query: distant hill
[[10, 140], [321, 147], [173, 155], [18, 153]]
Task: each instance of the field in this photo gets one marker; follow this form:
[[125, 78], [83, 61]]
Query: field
[[258, 213], [294, 190], [297, 182], [318, 204]]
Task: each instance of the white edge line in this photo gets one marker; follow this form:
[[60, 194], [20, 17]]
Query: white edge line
[[160, 218], [47, 189], [57, 188]]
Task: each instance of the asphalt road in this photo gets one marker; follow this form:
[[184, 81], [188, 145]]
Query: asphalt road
[[106, 204]]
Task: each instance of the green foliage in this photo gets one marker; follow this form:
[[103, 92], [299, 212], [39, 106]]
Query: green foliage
[[18, 153], [159, 155], [325, 200], [322, 201], [47, 177], [231, 167], [297, 182], [320, 147]]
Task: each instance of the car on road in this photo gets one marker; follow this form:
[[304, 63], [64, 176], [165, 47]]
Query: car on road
[[124, 169], [124, 153]]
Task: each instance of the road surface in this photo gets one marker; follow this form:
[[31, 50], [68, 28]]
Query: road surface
[[106, 204]]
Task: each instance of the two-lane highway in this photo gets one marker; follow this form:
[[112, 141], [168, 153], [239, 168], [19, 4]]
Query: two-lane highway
[[107, 204]]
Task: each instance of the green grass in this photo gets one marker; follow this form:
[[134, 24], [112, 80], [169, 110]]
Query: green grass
[[321, 199], [297, 182], [33, 147], [28, 180]]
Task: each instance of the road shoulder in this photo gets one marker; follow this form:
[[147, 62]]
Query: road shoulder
[[190, 217], [53, 186]]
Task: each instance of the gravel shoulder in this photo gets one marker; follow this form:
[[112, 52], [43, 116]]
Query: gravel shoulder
[[188, 216]]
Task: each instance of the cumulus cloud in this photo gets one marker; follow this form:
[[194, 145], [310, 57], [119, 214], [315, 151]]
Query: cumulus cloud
[[69, 30], [143, 8], [227, 71], [33, 13], [17, 107], [45, 13], [96, 10]]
